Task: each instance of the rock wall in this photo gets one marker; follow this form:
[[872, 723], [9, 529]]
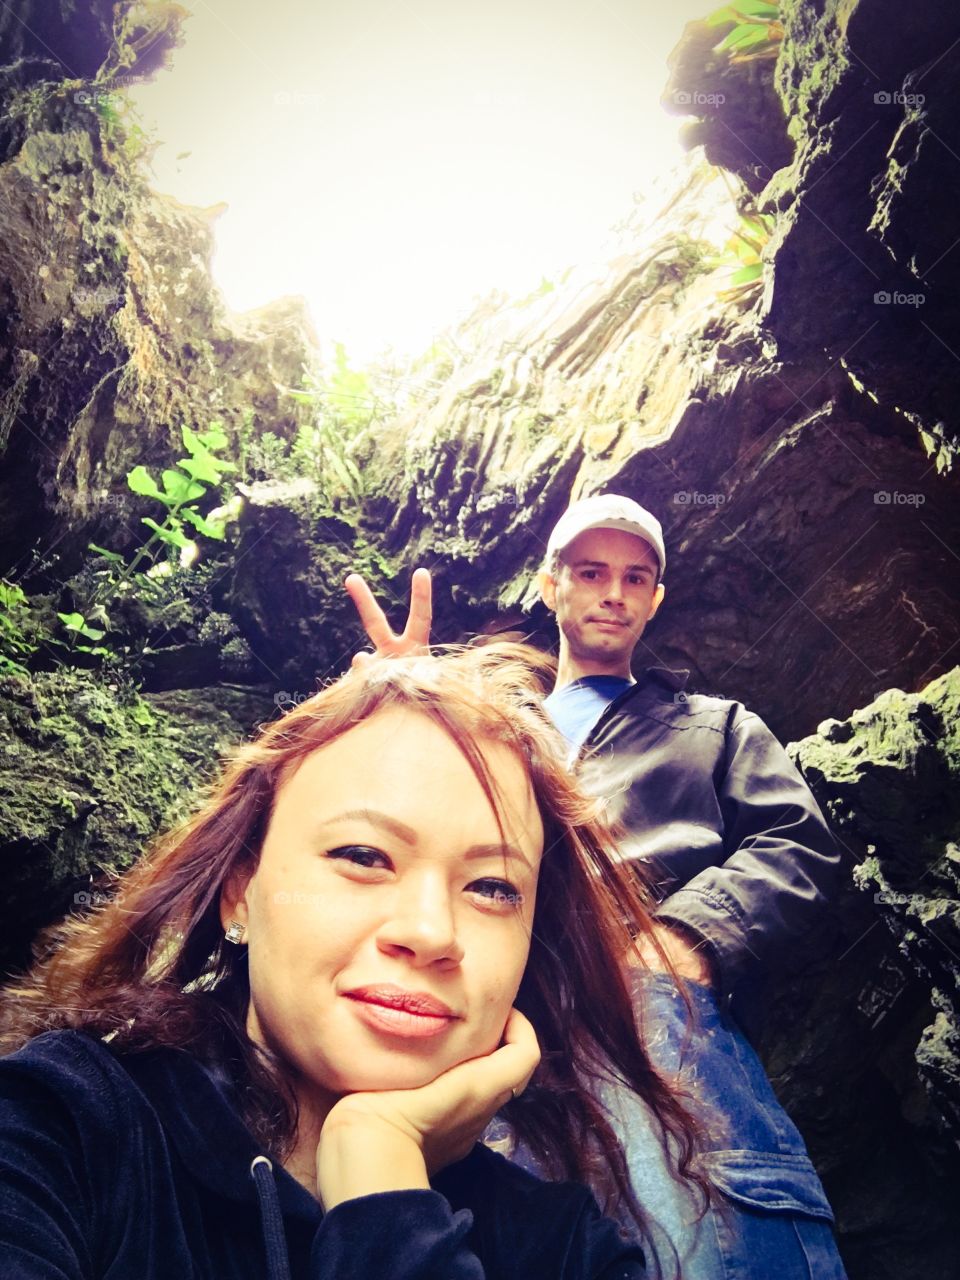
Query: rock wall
[[864, 1048], [796, 434], [111, 334]]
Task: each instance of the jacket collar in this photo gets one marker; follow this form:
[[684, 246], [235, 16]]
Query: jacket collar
[[197, 1107], [675, 681]]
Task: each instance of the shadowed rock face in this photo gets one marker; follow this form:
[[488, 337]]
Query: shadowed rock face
[[111, 333], [864, 1048], [797, 439], [867, 207], [91, 772], [890, 778]]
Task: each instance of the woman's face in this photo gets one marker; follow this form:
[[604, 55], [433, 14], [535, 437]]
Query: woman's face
[[388, 922]]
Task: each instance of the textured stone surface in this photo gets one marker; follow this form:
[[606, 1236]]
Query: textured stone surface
[[89, 774], [868, 205], [797, 440], [739, 118], [111, 334], [863, 1049]]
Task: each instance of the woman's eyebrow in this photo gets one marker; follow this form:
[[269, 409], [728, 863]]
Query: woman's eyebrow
[[495, 851], [407, 834], [376, 819]]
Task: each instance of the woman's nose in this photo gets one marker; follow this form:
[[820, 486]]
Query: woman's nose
[[422, 925]]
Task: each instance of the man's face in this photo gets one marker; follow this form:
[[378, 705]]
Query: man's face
[[604, 594]]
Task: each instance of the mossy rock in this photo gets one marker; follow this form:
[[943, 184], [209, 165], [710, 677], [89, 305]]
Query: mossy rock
[[89, 774]]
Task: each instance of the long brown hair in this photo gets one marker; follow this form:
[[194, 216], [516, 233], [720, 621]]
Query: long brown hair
[[151, 967]]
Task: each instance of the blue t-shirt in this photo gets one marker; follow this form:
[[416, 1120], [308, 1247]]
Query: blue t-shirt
[[577, 707]]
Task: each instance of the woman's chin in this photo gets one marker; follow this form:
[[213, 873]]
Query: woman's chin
[[399, 1071], [386, 1078]]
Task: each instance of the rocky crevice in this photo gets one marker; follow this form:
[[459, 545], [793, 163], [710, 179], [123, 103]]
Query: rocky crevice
[[796, 435]]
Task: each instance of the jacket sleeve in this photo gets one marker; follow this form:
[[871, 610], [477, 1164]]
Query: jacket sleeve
[[415, 1235], [45, 1198], [764, 904], [600, 1252], [395, 1235]]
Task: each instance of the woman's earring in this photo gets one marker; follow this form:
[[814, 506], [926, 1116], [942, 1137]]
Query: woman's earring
[[235, 932]]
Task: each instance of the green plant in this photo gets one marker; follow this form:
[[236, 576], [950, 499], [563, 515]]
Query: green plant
[[183, 488], [545, 286], [14, 641], [743, 252], [345, 404], [757, 31], [179, 492]]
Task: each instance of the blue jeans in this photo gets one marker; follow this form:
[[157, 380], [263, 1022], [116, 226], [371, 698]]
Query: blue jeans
[[774, 1220]]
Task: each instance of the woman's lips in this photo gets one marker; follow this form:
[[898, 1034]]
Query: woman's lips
[[408, 1014]]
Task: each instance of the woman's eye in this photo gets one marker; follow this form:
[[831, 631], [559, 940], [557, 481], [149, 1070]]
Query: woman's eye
[[498, 892], [359, 856]]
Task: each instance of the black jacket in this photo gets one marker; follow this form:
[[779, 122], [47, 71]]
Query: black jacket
[[139, 1168], [732, 841]]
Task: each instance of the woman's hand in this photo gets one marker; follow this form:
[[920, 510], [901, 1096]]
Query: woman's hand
[[395, 1140], [415, 637]]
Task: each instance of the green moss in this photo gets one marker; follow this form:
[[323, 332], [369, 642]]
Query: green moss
[[89, 773], [486, 386], [532, 428]]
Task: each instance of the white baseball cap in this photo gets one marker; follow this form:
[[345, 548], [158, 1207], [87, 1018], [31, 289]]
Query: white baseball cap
[[607, 511]]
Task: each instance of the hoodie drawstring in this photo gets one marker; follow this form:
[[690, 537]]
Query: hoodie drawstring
[[274, 1240]]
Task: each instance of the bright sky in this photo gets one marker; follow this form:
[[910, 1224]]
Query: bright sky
[[391, 160]]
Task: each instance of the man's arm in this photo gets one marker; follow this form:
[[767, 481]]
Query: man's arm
[[764, 904], [689, 953]]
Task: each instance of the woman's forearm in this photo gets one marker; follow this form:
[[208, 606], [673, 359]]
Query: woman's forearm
[[362, 1157]]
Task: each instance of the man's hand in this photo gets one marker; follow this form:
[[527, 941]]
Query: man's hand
[[415, 637], [396, 1140], [688, 955]]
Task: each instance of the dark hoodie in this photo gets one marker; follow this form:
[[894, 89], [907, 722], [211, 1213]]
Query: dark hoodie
[[139, 1166]]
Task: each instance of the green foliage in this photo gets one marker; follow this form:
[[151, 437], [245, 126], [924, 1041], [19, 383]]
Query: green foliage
[[437, 362], [346, 406], [180, 489], [743, 255], [349, 393], [756, 33], [197, 476], [545, 286], [14, 642], [77, 625]]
